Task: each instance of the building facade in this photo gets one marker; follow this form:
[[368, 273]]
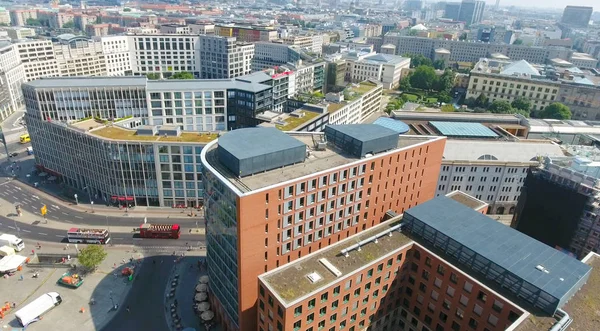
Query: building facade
[[306, 210], [577, 16], [268, 55], [224, 57], [12, 75], [164, 54]]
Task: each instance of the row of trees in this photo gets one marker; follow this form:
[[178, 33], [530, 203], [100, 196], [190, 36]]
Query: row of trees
[[417, 60], [518, 106], [425, 78], [177, 75]]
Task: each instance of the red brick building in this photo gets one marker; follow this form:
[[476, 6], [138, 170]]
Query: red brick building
[[264, 212]]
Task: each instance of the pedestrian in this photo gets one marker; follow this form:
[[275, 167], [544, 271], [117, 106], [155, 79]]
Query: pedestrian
[[21, 278], [67, 246], [14, 305], [127, 308]]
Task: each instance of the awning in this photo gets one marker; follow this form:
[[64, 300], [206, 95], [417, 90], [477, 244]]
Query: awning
[[121, 198], [114, 197], [129, 198]]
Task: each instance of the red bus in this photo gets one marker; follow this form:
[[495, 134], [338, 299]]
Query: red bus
[[165, 231]]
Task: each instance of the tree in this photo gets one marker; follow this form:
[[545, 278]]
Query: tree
[[417, 60], [556, 111], [68, 25], [182, 75], [153, 76], [91, 256], [445, 82], [470, 102], [482, 101], [522, 104], [444, 97], [33, 22], [439, 64], [518, 42], [423, 77], [463, 36], [501, 107], [126, 10], [405, 83]]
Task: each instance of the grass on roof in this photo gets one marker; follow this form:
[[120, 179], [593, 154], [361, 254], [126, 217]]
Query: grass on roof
[[193, 137], [333, 107], [363, 87], [121, 134], [117, 133], [293, 122]]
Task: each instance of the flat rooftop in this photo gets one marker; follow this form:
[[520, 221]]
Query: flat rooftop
[[78, 82], [290, 282], [466, 200], [463, 129], [584, 306], [318, 161], [118, 133], [502, 151], [508, 248]]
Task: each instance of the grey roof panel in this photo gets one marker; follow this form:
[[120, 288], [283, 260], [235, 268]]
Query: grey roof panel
[[364, 132], [503, 245], [252, 142], [393, 124]]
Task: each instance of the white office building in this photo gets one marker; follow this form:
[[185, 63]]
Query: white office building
[[12, 76], [164, 54], [117, 55], [491, 171]]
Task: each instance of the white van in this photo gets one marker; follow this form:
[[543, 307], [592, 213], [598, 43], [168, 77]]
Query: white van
[[38, 307]]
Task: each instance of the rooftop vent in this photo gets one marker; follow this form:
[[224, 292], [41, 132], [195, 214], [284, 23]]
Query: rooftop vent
[[330, 267], [314, 277]]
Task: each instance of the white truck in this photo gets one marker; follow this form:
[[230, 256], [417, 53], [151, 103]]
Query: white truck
[[13, 241], [38, 307]]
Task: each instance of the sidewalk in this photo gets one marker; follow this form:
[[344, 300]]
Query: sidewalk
[[75, 312], [43, 191]]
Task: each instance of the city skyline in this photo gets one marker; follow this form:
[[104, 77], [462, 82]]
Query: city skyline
[[546, 4]]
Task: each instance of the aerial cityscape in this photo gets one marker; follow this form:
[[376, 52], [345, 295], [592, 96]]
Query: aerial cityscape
[[301, 165]]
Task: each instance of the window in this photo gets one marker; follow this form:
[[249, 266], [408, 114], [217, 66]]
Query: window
[[297, 325], [450, 291], [310, 318], [323, 311], [324, 297], [497, 306], [428, 261], [311, 304], [453, 278], [473, 323], [468, 287], [297, 311], [460, 313], [441, 270], [482, 296], [443, 317], [478, 310]]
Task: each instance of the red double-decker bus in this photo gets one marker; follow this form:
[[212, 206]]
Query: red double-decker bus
[[165, 231]]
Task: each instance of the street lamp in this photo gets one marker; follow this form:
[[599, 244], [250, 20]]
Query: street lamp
[[76, 200], [92, 202]]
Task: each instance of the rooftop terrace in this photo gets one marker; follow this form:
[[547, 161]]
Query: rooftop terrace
[[291, 282], [318, 161], [118, 133], [292, 122]]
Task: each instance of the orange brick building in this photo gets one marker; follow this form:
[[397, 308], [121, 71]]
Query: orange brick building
[[391, 277], [272, 198]]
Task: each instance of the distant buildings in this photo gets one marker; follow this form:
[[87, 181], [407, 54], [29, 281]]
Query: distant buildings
[[471, 11], [577, 16], [224, 57]]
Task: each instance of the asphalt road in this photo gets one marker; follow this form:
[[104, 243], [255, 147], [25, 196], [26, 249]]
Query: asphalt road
[[145, 299], [40, 233]]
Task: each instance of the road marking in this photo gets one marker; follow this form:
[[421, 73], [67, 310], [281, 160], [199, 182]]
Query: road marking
[[43, 234], [18, 188], [64, 213], [25, 230], [60, 236], [11, 227], [27, 200], [118, 238], [55, 207], [35, 197], [137, 238], [69, 221], [79, 217], [54, 217]]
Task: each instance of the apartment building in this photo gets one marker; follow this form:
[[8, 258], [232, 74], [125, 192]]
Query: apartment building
[[355, 104], [283, 82], [568, 188], [12, 75], [18, 33], [79, 56], [506, 81], [311, 42], [224, 57], [97, 30], [81, 21], [19, 17], [38, 59], [164, 54], [269, 54], [246, 34], [117, 55], [465, 51], [175, 29], [5, 17], [491, 171], [202, 28], [316, 190]]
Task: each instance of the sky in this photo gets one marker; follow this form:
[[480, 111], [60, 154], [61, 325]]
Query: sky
[[549, 3]]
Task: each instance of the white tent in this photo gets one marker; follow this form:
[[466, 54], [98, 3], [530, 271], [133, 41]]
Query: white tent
[[11, 263]]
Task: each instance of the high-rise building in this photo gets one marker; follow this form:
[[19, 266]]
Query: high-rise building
[[452, 10], [224, 57], [272, 198], [577, 16], [412, 5], [12, 75], [471, 11]]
